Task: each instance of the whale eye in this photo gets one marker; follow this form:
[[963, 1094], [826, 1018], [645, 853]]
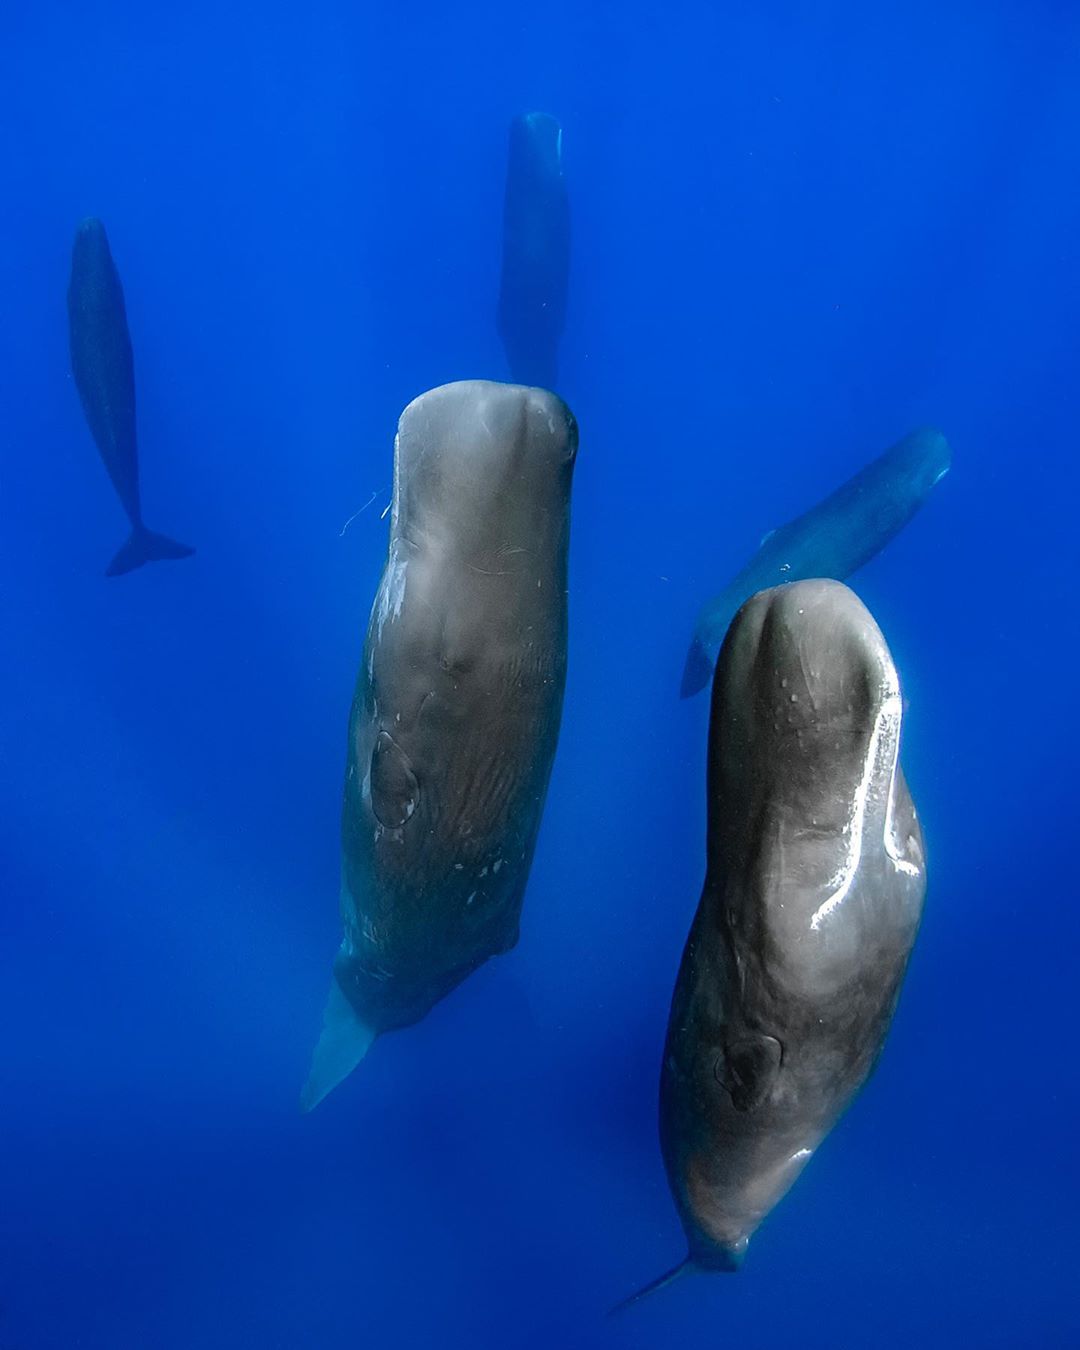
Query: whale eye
[[747, 1069], [394, 789]]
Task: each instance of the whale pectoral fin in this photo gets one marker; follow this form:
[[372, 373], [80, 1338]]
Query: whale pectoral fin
[[747, 1070], [661, 1282], [698, 669], [343, 1043], [509, 942]]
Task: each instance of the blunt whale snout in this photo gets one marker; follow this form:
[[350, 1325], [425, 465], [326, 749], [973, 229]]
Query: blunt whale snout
[[930, 457], [819, 715], [486, 409], [90, 247], [90, 227], [544, 133], [816, 654], [477, 460]]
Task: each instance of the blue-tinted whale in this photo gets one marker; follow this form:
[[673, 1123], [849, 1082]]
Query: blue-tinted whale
[[834, 539], [811, 903], [456, 713], [102, 365], [536, 251]]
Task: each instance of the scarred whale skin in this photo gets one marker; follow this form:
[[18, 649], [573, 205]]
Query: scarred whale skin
[[833, 539], [104, 371], [812, 900], [456, 713], [536, 251]]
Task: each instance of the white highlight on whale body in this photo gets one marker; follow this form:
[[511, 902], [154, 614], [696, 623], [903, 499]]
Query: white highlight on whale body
[[391, 592], [881, 761]]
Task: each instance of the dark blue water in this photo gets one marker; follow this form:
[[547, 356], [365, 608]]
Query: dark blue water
[[800, 230]]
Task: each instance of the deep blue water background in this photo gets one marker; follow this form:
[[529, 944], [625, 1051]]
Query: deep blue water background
[[800, 229]]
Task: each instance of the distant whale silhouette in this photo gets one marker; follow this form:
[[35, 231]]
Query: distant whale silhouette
[[536, 251], [104, 373], [456, 713], [812, 900], [833, 539]]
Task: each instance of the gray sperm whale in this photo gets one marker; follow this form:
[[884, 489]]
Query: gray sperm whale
[[833, 539], [456, 713], [812, 900], [536, 251], [104, 372]]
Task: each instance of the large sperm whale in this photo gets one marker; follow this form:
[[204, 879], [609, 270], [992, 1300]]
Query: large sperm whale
[[104, 372], [833, 539], [536, 250], [811, 903], [456, 714]]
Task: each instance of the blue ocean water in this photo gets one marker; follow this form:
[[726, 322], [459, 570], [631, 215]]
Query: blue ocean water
[[799, 230]]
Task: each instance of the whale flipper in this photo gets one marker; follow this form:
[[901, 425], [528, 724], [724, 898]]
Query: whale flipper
[[344, 1042], [145, 546], [698, 669], [661, 1282]]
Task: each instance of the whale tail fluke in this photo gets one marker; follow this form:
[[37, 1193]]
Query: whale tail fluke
[[659, 1283], [145, 546], [698, 669], [343, 1043]]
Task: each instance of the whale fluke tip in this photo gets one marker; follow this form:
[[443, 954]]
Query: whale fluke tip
[[145, 546], [343, 1043]]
